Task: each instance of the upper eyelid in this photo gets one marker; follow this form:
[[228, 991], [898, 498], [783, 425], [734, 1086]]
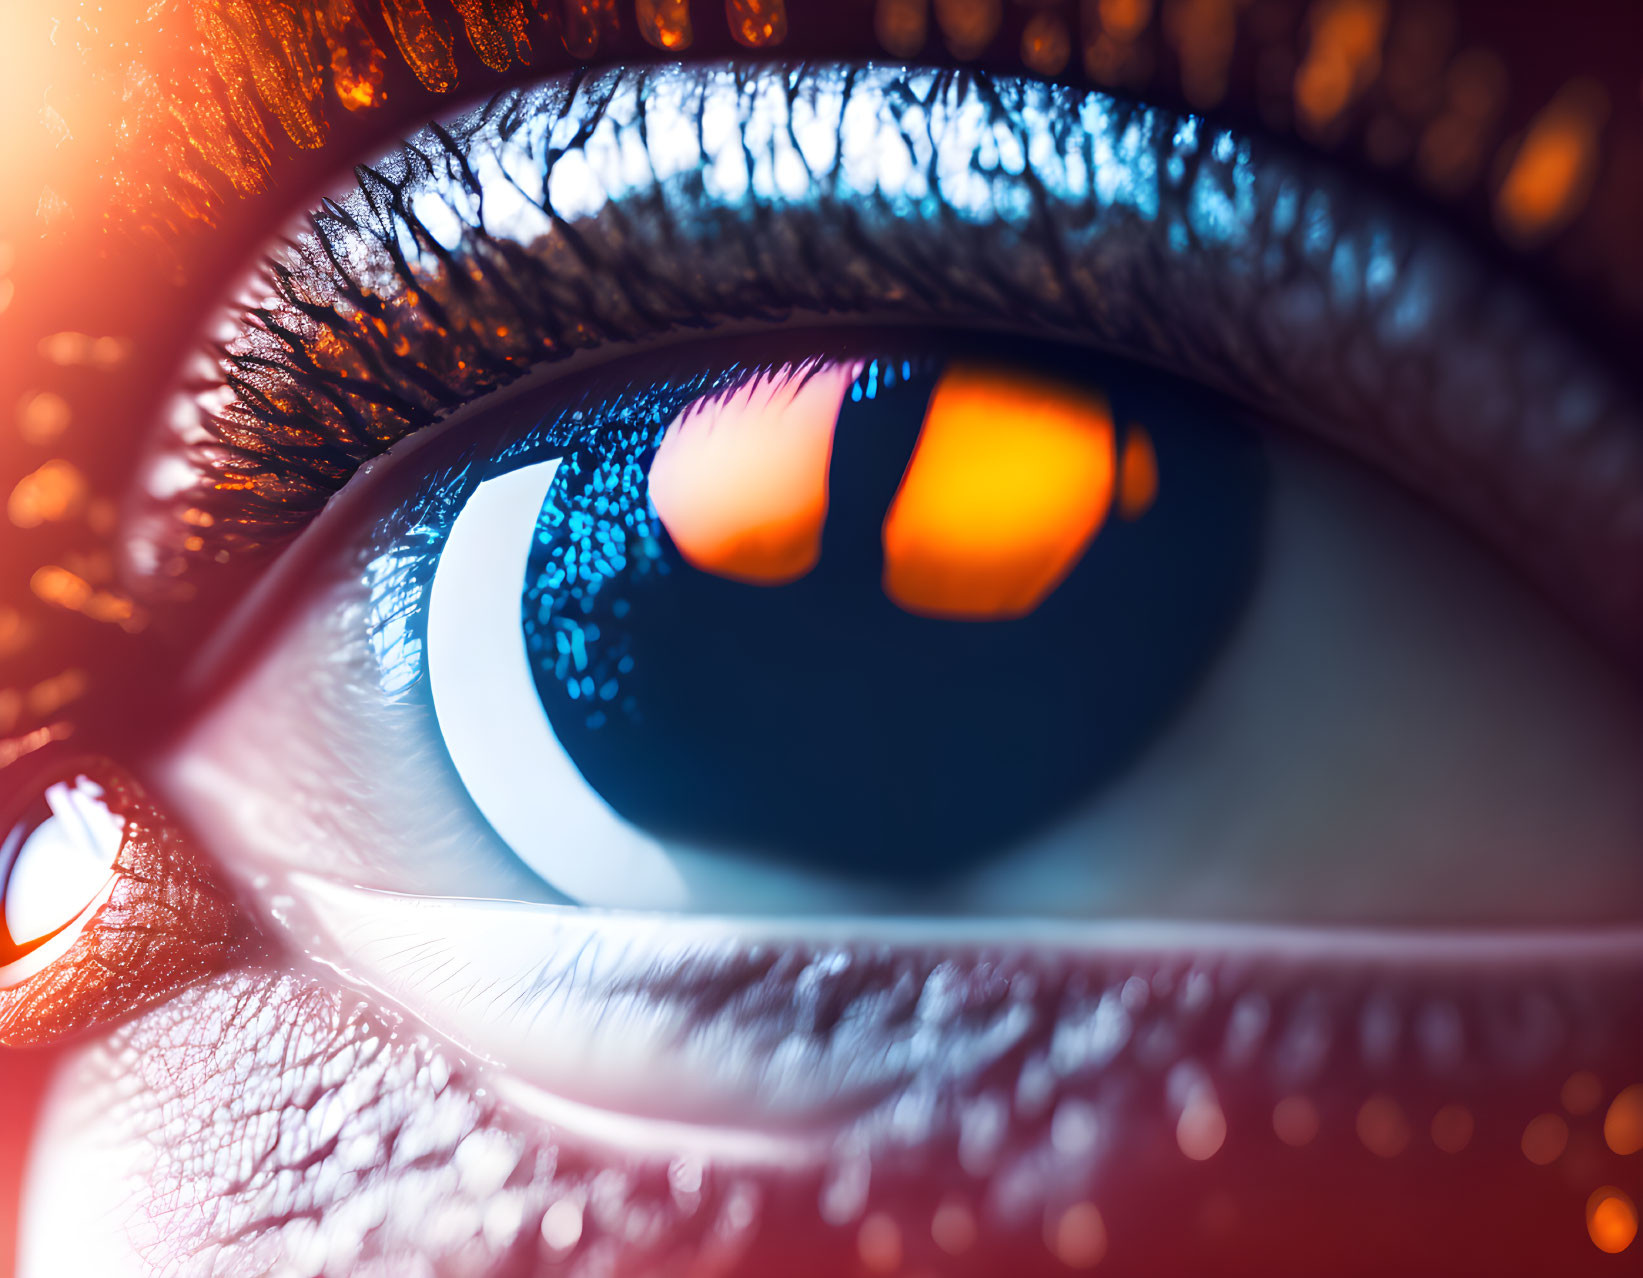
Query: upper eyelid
[[1549, 407], [309, 89]]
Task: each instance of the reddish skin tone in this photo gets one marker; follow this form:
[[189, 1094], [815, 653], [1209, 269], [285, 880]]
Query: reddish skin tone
[[1486, 1210]]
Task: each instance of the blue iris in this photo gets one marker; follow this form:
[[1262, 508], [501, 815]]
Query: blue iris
[[817, 721]]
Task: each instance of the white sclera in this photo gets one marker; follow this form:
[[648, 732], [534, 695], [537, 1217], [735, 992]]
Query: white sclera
[[63, 863], [494, 727]]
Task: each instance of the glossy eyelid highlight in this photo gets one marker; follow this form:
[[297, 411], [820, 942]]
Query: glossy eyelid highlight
[[532, 986]]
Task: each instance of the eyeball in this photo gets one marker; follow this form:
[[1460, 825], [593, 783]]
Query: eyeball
[[58, 867], [105, 906]]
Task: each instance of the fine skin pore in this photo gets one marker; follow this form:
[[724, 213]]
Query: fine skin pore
[[1131, 1097]]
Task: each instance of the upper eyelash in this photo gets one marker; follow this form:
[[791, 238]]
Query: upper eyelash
[[1183, 246]]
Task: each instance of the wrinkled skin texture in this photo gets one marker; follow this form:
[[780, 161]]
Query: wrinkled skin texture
[[247, 1104]]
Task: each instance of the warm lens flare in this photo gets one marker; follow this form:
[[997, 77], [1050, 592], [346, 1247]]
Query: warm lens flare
[[740, 480], [1012, 476]]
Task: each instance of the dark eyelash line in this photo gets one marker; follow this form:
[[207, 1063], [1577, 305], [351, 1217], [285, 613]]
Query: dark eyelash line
[[1010, 205]]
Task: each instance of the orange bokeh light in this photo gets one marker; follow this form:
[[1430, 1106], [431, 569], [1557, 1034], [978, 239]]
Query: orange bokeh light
[[1611, 1220], [1582, 1092], [1623, 1124], [1545, 1139], [1548, 178], [1382, 1127], [1010, 480], [740, 480], [1295, 1120], [1452, 1128]]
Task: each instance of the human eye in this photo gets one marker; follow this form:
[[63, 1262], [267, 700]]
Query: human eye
[[927, 656]]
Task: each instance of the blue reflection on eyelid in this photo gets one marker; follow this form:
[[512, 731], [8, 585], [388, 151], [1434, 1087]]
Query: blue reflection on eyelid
[[1410, 314], [438, 218], [1345, 275], [1318, 225], [397, 575], [394, 638], [726, 177], [1381, 272], [1221, 204], [1286, 208], [1126, 167], [511, 208], [1004, 147]]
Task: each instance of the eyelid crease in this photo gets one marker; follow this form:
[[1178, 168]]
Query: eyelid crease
[[639, 203]]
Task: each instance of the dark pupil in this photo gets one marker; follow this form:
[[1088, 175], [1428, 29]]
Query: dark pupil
[[820, 723]]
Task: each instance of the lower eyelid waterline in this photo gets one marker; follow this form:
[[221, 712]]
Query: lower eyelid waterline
[[644, 201], [618, 995]]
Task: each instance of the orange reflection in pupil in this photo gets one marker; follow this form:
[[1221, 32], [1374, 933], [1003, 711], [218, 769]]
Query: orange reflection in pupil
[[1012, 476], [1137, 474], [740, 481]]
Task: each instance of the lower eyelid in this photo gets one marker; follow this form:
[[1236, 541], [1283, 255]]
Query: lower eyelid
[[595, 1007]]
